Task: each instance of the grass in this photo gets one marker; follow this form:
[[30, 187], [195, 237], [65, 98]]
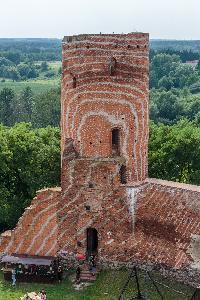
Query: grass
[[107, 287]]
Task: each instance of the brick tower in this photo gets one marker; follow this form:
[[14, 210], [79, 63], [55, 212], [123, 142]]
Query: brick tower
[[104, 137], [105, 98]]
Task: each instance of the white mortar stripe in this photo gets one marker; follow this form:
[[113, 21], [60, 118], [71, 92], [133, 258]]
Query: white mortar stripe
[[51, 250], [84, 50], [42, 229], [122, 89], [18, 228], [46, 209], [46, 239], [67, 58], [113, 120], [82, 73], [126, 85], [57, 212], [34, 220], [80, 66], [122, 102], [75, 198]]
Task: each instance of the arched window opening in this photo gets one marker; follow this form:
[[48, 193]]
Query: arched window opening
[[74, 82], [112, 66], [115, 141], [122, 174]]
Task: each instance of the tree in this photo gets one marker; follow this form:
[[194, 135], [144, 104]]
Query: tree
[[198, 67], [23, 70], [27, 71], [167, 71], [23, 105], [46, 110], [184, 76], [7, 97], [30, 160], [13, 73], [5, 62], [50, 73], [44, 66], [174, 152], [13, 56], [163, 64], [166, 106]]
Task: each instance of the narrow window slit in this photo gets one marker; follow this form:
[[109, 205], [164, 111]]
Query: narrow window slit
[[115, 141], [74, 82], [122, 173]]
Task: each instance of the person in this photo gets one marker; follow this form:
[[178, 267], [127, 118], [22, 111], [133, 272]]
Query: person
[[92, 265], [13, 277], [43, 295], [78, 274], [60, 273]]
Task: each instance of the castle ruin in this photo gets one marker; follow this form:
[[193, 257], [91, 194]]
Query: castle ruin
[[106, 203]]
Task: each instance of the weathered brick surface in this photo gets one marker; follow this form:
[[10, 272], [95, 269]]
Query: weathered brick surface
[[100, 102], [148, 221], [36, 231]]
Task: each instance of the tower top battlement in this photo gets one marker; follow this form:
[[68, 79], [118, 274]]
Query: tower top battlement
[[82, 37]]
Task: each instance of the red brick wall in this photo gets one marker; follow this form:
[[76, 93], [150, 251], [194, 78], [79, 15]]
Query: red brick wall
[[36, 231], [93, 183], [100, 102], [167, 224]]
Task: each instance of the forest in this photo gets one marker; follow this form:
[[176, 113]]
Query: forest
[[30, 116]]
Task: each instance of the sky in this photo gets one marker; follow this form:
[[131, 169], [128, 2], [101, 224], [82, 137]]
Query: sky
[[166, 19]]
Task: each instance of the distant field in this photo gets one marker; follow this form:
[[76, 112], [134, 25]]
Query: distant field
[[55, 65], [38, 85]]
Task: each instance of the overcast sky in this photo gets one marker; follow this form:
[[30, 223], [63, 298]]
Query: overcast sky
[[174, 19]]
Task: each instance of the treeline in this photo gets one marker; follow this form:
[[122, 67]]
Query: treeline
[[22, 59], [31, 49], [174, 91], [174, 152], [168, 107], [178, 45], [184, 55], [40, 109], [30, 160], [24, 70], [167, 71]]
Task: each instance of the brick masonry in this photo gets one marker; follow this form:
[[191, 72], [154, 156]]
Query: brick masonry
[[148, 221]]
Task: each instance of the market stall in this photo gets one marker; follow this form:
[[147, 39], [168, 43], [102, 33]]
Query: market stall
[[30, 268]]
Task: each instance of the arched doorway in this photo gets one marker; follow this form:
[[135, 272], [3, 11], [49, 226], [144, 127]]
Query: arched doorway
[[92, 241]]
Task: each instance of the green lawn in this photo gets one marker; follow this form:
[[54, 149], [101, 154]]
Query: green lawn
[[107, 287]]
